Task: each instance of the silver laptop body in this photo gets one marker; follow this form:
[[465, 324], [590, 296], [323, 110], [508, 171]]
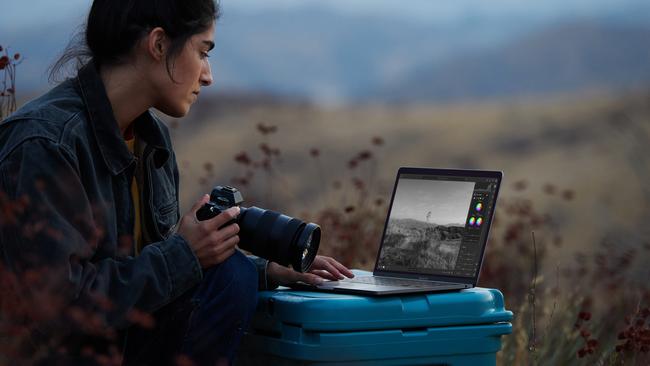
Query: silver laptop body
[[435, 233]]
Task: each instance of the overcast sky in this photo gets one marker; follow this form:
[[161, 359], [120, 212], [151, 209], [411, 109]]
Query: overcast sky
[[448, 201], [24, 12], [441, 9]]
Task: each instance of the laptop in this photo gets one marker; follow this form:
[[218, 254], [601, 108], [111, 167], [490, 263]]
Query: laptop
[[435, 234]]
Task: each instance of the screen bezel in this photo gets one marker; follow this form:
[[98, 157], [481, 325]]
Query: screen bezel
[[461, 173]]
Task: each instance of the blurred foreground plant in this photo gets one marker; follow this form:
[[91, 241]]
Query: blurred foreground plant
[[38, 312], [598, 316]]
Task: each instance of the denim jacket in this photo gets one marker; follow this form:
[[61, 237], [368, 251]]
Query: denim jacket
[[65, 174]]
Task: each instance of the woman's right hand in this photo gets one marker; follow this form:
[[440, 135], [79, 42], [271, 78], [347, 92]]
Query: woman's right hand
[[210, 244]]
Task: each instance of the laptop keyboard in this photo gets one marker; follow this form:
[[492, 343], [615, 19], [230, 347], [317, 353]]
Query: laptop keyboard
[[384, 281]]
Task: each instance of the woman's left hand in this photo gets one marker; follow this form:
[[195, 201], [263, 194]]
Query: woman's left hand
[[323, 268]]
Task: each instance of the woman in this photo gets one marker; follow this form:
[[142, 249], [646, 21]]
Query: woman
[[93, 174]]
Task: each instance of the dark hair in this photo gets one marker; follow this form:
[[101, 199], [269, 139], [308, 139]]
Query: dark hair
[[115, 26]]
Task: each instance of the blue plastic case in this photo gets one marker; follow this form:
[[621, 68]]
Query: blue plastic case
[[314, 328]]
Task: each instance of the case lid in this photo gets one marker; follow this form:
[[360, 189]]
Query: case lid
[[319, 311]]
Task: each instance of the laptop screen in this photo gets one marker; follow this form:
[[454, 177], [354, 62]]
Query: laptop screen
[[438, 224]]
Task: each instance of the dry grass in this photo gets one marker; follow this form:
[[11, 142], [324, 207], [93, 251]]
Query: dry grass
[[569, 141]]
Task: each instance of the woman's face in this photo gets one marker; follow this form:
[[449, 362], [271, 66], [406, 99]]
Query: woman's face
[[190, 71]]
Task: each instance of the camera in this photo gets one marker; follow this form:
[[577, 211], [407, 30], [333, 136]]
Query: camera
[[265, 233]]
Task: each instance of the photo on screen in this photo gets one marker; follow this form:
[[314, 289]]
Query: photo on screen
[[426, 224]]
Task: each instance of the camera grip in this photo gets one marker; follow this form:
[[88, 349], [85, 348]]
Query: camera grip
[[207, 212]]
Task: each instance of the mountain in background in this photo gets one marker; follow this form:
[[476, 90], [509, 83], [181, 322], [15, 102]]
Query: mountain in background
[[317, 53], [569, 57]]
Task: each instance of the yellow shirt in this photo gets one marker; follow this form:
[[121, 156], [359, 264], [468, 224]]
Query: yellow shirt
[[135, 196]]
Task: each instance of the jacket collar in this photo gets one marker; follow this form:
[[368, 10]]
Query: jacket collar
[[149, 129], [106, 131]]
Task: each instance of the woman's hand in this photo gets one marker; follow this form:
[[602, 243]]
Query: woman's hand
[[211, 243], [322, 268]]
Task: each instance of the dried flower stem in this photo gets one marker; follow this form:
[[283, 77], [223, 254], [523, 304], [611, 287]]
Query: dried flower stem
[[533, 338], [8, 65], [555, 297]]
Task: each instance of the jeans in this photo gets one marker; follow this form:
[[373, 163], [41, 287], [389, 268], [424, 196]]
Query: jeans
[[205, 325]]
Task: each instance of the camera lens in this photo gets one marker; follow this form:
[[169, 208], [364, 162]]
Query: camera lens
[[279, 238], [307, 245]]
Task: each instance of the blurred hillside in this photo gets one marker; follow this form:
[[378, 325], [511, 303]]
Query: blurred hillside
[[595, 144], [568, 57]]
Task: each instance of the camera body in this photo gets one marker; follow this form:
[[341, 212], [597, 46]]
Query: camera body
[[265, 233], [221, 199]]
